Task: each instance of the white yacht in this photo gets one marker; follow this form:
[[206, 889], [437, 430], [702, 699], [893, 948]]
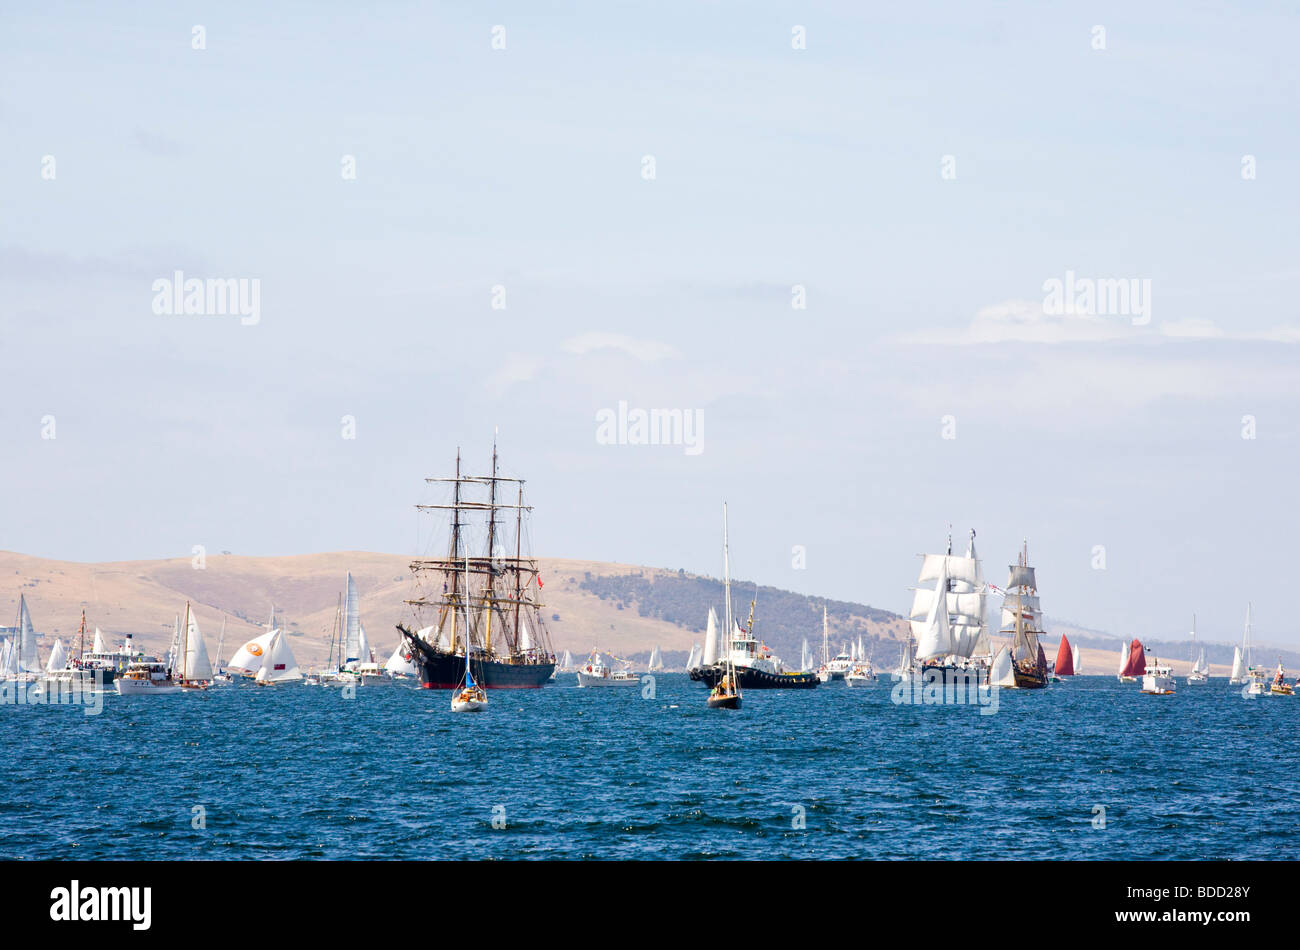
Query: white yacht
[[1158, 680], [147, 676], [595, 673]]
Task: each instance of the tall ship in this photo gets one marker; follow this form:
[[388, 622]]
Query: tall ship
[[1025, 663], [738, 653], [486, 605], [947, 616]]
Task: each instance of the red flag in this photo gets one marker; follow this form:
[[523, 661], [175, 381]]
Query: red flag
[[539, 581]]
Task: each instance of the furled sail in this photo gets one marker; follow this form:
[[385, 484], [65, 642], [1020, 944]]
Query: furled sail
[[352, 611]]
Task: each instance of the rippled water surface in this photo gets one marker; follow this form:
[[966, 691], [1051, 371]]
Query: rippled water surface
[[301, 772]]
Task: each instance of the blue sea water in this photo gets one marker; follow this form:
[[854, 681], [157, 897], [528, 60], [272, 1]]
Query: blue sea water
[[562, 772]]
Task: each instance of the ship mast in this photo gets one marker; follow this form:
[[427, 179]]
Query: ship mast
[[492, 531], [726, 579]]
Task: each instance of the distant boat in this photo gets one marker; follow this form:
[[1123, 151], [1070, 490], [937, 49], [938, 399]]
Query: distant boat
[[1279, 686], [1199, 672], [1078, 666], [656, 661], [1135, 662], [1064, 665], [58, 658], [948, 617], [595, 672], [219, 676], [710, 654], [692, 661], [469, 695], [725, 693], [1022, 617], [147, 676], [400, 663], [21, 660], [194, 670], [1158, 679], [1124, 664], [267, 659]]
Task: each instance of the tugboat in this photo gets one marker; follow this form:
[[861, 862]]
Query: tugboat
[[500, 621], [752, 663], [596, 673]]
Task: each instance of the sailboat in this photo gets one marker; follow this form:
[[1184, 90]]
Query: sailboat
[[58, 658], [22, 661], [1135, 662], [1124, 651], [1200, 672], [512, 644], [947, 616], [469, 696], [219, 676], [193, 670], [1022, 619], [1078, 666], [267, 659], [399, 665], [1064, 658], [725, 693], [656, 661], [692, 661], [1252, 676]]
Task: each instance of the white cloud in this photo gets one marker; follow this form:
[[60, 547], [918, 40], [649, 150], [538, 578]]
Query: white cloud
[[515, 368], [647, 351], [1025, 321]]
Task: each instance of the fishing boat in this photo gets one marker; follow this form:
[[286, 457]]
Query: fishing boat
[[597, 673], [1158, 679], [193, 670], [147, 676], [1200, 672], [503, 624], [267, 660], [753, 663], [1022, 664], [469, 695], [947, 617], [1064, 665]]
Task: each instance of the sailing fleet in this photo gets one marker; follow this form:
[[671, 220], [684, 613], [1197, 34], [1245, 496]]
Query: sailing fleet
[[486, 631]]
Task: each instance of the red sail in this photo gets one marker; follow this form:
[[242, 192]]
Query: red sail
[[1064, 658], [1137, 660]]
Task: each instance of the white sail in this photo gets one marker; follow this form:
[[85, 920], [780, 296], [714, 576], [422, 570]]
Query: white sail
[[174, 651], [525, 635], [1238, 667], [100, 645], [252, 655], [29, 660], [367, 654], [567, 663], [1078, 666], [1000, 673], [400, 663], [963, 570], [711, 639], [1123, 658], [656, 661], [1021, 576], [805, 661], [58, 658], [936, 637], [1199, 666], [279, 666], [195, 664], [906, 660], [352, 613]]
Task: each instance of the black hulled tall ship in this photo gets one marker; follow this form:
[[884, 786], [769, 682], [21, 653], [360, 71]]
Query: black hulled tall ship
[[487, 603]]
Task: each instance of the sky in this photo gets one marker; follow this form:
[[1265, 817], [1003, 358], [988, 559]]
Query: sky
[[825, 233]]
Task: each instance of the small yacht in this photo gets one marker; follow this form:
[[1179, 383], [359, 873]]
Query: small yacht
[[595, 673], [837, 668], [1158, 680], [1279, 686], [146, 676], [860, 675]]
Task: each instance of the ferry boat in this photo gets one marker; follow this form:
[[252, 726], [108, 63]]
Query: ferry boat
[[1158, 679], [596, 673], [147, 676], [500, 617]]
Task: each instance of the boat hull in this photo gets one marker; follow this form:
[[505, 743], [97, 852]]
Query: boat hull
[[750, 678], [589, 680], [723, 702], [446, 671], [130, 687]]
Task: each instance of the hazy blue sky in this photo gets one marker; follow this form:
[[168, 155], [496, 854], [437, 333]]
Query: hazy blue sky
[[774, 166]]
